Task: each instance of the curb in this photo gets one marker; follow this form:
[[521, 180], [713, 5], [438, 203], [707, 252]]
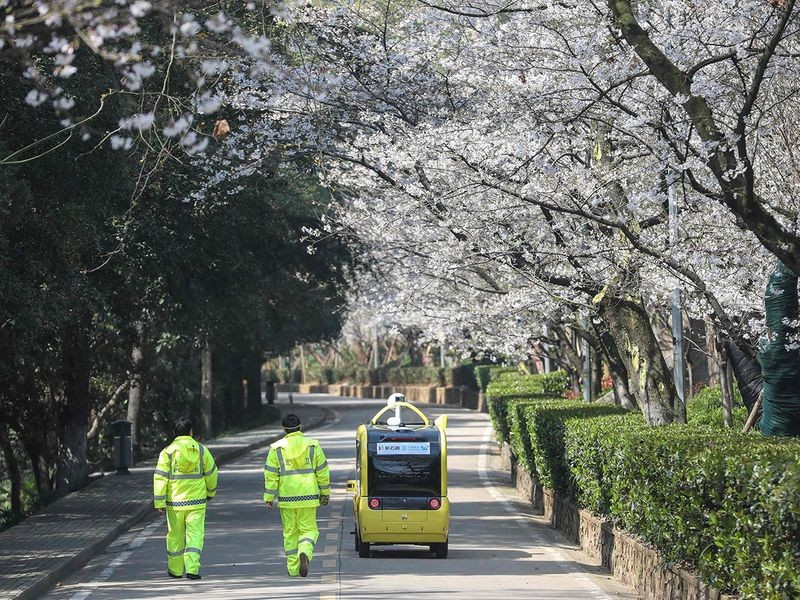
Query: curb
[[83, 556]]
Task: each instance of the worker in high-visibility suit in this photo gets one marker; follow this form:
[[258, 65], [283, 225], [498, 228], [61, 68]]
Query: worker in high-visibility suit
[[185, 479], [296, 473]]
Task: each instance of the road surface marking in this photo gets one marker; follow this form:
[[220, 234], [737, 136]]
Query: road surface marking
[[556, 555], [331, 537], [106, 573], [329, 579], [329, 563]]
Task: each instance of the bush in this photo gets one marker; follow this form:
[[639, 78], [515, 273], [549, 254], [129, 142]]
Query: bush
[[555, 383], [482, 376], [705, 408], [507, 388], [412, 376], [726, 503], [547, 423]]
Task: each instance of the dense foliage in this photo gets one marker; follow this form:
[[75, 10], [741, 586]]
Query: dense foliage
[[116, 277], [705, 408]]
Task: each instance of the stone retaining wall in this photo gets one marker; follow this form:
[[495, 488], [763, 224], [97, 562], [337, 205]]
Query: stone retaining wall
[[459, 396], [628, 559]]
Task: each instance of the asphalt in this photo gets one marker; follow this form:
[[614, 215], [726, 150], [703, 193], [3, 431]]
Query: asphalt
[[497, 548]]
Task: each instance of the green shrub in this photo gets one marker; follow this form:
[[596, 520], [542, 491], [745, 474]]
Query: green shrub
[[499, 372], [726, 503], [705, 408], [482, 376], [554, 383], [411, 376], [547, 425], [508, 386], [518, 433], [502, 391]]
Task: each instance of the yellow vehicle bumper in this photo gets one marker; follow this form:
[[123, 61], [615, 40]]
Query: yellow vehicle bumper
[[403, 527]]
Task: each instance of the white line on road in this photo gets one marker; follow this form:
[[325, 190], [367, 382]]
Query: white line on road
[[106, 573], [555, 554]]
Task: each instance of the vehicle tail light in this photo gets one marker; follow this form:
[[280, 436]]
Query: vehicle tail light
[[434, 503], [374, 503]]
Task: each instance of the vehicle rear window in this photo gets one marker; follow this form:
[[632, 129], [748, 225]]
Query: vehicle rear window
[[401, 475]]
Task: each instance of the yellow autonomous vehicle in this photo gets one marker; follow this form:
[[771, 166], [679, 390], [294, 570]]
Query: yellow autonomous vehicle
[[400, 494]]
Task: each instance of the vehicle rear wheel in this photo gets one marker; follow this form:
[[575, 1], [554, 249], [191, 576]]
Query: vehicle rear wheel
[[363, 549], [440, 550], [358, 540]]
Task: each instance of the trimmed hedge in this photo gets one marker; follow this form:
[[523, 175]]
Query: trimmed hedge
[[484, 374], [726, 503], [511, 386], [555, 383]]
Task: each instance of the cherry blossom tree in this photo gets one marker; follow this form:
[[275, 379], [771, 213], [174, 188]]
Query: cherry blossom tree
[[490, 154]]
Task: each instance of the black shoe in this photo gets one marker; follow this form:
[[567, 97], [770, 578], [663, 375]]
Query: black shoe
[[303, 564], [171, 574], [193, 576]]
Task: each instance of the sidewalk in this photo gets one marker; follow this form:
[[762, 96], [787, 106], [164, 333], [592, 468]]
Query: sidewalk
[[63, 536]]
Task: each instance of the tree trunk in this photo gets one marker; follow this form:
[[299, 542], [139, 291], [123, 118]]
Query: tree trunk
[[619, 374], [747, 372], [72, 471], [727, 392], [136, 391], [651, 381], [229, 371], [253, 374], [572, 359], [94, 430], [205, 389], [597, 375], [12, 465], [712, 350], [35, 445], [780, 358]]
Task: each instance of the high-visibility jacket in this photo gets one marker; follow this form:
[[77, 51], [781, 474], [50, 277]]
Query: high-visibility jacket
[[186, 475], [296, 472]]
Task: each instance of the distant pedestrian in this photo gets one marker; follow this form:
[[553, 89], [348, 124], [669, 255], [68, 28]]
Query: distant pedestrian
[[185, 479], [297, 473]]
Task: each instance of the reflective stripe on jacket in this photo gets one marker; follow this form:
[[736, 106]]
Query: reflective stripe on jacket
[[296, 472], [185, 476]]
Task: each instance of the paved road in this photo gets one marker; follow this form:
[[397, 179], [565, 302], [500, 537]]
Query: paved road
[[496, 549]]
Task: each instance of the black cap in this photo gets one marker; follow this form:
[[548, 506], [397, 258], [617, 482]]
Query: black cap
[[291, 422]]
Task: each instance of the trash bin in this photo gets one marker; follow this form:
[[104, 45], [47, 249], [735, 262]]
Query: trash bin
[[270, 392], [123, 445]]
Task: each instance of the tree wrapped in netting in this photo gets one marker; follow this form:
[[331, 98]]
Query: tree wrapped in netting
[[780, 356]]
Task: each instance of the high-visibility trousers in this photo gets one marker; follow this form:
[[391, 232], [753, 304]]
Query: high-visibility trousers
[[185, 532], [300, 535]]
